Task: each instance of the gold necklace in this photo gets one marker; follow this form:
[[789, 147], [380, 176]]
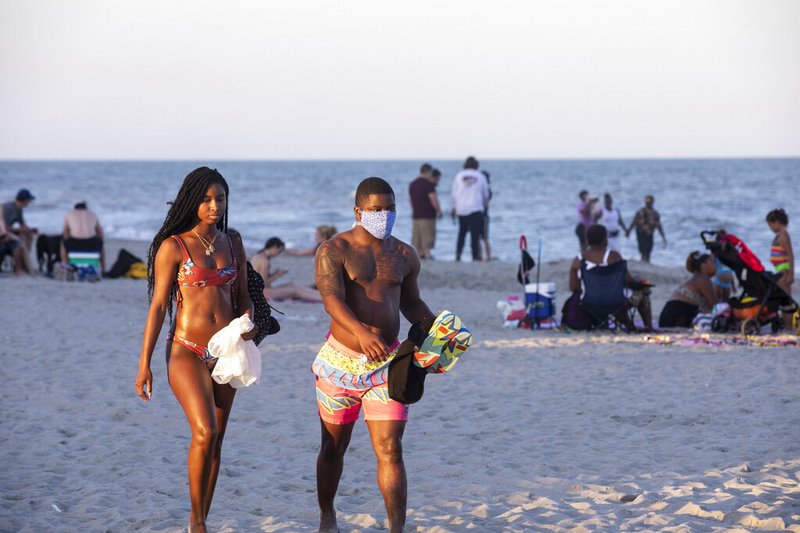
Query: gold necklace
[[209, 246]]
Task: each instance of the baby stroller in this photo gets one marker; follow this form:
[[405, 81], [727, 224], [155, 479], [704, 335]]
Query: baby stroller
[[762, 301]]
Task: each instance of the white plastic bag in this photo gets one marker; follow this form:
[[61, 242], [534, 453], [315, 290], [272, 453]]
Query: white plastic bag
[[239, 363]]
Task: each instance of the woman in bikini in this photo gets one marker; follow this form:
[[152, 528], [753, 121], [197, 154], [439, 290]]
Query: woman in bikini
[[194, 260], [693, 297]]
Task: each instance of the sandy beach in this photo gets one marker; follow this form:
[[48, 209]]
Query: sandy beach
[[532, 431]]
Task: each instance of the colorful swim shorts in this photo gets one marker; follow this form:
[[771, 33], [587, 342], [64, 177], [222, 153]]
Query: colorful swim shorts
[[346, 381]]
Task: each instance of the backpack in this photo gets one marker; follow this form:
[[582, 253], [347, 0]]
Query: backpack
[[262, 311], [137, 271], [122, 266], [574, 316]]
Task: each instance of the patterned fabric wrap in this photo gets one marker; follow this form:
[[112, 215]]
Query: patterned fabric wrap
[[347, 369], [447, 339]]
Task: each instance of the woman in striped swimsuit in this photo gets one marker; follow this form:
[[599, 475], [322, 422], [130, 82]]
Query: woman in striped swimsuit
[[781, 255]]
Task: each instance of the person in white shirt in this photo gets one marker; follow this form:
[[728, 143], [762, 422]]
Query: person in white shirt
[[470, 199], [610, 217]]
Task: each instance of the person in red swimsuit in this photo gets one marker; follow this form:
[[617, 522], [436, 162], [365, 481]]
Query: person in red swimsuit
[[196, 261]]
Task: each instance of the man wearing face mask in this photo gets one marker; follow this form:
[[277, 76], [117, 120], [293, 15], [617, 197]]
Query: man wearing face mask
[[366, 279]]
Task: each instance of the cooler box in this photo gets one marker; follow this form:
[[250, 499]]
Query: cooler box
[[85, 259], [540, 300]]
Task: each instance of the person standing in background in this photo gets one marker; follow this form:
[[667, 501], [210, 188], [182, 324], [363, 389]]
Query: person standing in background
[[487, 247], [425, 210], [586, 208], [646, 221], [781, 254], [611, 218], [470, 194]]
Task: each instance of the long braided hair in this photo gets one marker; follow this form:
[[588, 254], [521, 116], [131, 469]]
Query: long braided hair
[[182, 217]]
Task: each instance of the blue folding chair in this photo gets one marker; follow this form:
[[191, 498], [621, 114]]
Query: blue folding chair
[[604, 296]]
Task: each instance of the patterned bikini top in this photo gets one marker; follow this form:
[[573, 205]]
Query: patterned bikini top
[[192, 275]]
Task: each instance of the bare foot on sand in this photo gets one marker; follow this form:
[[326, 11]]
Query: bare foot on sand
[[197, 528], [327, 523]]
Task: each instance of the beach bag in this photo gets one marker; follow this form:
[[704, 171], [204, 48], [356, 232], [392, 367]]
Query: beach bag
[[88, 273], [239, 361], [745, 308], [262, 311], [574, 316], [137, 271], [64, 272], [701, 323], [123, 264]]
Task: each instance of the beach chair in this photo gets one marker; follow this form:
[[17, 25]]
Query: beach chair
[[84, 255], [604, 296], [84, 259]]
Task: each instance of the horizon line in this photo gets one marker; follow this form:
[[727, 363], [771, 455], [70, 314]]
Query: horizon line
[[409, 159]]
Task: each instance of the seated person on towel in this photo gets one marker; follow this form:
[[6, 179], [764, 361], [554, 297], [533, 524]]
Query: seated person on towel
[[261, 264], [694, 296]]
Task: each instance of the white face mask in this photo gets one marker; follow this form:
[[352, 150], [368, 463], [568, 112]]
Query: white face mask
[[378, 223]]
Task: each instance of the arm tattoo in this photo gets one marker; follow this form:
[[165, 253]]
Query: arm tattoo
[[330, 268]]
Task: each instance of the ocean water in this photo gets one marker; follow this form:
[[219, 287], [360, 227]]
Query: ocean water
[[535, 198]]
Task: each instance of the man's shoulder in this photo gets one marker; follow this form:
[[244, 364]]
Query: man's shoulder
[[400, 245], [417, 184], [470, 172], [337, 244], [405, 250], [470, 176]]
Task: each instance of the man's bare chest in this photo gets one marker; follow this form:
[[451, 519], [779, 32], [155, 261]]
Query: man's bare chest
[[381, 269]]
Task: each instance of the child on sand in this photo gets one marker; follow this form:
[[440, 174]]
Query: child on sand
[[781, 255]]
